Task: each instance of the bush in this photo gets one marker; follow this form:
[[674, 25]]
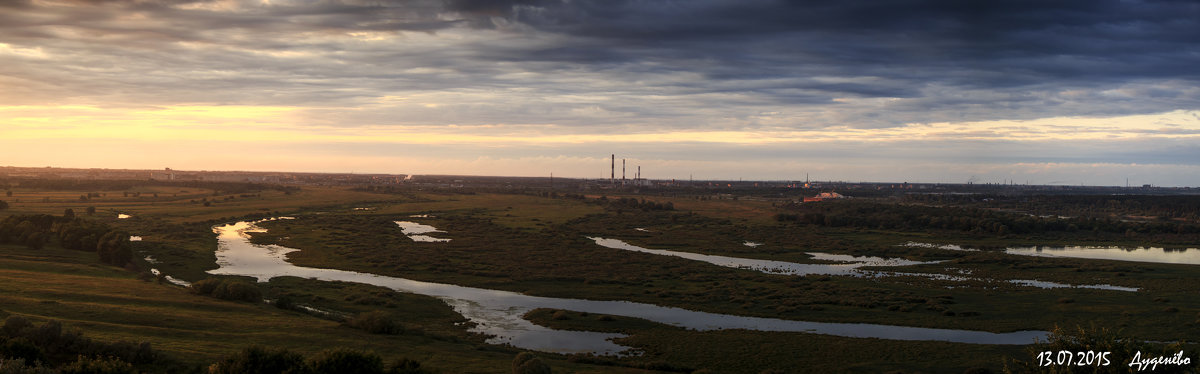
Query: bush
[[109, 365], [18, 366], [376, 322], [205, 286], [258, 360], [406, 366], [22, 348], [343, 360], [15, 325], [48, 334], [238, 291], [52, 346], [285, 302], [227, 289], [527, 363]]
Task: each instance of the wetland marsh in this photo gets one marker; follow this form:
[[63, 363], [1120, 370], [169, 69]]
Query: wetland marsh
[[499, 261]]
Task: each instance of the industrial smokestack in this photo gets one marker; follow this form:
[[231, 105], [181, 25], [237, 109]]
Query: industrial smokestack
[[612, 176], [639, 174], [622, 171]]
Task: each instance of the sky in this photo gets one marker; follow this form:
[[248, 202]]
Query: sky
[[1073, 92]]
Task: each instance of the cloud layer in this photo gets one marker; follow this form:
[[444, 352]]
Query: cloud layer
[[920, 80]]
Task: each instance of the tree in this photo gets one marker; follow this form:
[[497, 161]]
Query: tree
[[3, 205], [237, 290], [406, 366], [8, 193], [375, 322], [22, 348], [36, 240], [527, 363], [259, 360], [91, 210], [69, 214], [113, 248], [344, 360]]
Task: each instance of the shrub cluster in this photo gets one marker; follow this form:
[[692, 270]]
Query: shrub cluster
[[29, 348], [259, 360], [376, 322], [228, 289], [527, 363], [632, 204]]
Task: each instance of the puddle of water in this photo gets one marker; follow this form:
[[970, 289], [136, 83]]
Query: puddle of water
[[933, 276], [951, 247], [413, 231], [135, 238], [751, 244], [867, 260], [168, 278], [1046, 284], [850, 267], [123, 216], [641, 229], [1190, 256], [498, 313]]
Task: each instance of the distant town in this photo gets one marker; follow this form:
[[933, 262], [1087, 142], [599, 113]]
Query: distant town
[[820, 190]]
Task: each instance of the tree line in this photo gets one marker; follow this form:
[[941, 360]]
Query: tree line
[[890, 216], [47, 349], [37, 230], [1163, 207], [118, 185]]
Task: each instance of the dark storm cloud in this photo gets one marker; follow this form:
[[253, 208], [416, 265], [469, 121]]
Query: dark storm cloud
[[943, 60], [1013, 46]]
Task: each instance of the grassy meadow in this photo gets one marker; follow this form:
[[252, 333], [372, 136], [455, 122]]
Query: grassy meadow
[[538, 245]]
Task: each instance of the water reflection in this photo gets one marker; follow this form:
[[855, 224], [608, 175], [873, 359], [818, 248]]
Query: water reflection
[[1045, 284], [168, 278], [950, 247], [849, 264], [498, 313], [1190, 256], [413, 231]]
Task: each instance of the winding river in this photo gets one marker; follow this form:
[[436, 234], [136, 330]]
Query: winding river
[[847, 265], [498, 313]]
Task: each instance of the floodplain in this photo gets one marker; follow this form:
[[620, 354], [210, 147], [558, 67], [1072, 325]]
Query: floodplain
[[544, 243]]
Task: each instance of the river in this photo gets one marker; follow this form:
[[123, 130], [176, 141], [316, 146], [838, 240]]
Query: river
[[498, 313]]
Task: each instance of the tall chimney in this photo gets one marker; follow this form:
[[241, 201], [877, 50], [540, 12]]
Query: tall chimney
[[622, 171], [612, 176]]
